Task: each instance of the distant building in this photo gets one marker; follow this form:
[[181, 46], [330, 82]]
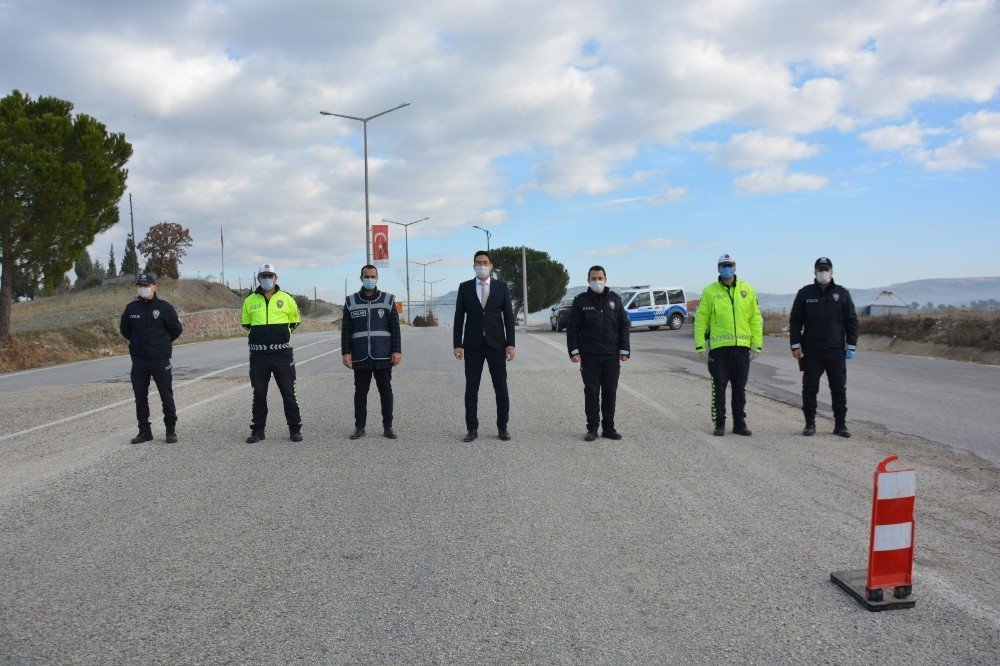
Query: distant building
[[887, 303]]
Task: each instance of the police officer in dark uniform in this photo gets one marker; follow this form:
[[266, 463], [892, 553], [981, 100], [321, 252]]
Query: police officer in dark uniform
[[823, 331], [151, 325], [372, 346], [597, 338]]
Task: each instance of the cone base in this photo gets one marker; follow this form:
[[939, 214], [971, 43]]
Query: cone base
[[854, 583]]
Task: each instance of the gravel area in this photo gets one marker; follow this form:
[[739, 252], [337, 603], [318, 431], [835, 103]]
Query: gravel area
[[670, 545]]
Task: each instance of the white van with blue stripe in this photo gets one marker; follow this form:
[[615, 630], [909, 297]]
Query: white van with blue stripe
[[655, 306]]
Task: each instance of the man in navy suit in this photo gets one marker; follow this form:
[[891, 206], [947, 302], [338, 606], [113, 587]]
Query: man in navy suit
[[484, 332]]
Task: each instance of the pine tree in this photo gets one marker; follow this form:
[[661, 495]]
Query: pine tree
[[112, 266], [84, 268], [130, 262]]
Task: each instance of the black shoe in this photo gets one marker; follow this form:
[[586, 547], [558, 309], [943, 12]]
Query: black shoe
[[720, 430], [590, 436], [741, 430], [295, 436], [611, 434], [504, 434], [255, 436], [810, 429], [358, 433], [470, 436], [842, 431], [143, 436], [171, 437], [389, 432]]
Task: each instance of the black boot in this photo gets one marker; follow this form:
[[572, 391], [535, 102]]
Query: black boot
[[171, 437], [741, 429], [145, 435], [720, 428], [256, 435], [591, 435], [810, 428], [359, 431], [840, 429]]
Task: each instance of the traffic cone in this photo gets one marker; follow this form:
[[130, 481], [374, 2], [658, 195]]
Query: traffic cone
[[890, 544]]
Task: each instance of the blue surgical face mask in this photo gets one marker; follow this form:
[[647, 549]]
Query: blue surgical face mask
[[369, 283], [727, 272], [267, 284]]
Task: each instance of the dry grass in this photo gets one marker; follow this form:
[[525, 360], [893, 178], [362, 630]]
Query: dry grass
[[100, 303], [973, 329], [84, 325]]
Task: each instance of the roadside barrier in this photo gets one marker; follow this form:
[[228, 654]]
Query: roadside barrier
[[890, 546]]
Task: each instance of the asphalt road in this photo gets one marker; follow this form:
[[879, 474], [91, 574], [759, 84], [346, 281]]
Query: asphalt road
[[671, 545]]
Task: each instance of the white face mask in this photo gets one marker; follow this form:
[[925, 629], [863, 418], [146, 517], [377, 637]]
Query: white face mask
[[145, 292], [482, 272], [597, 286], [824, 277]]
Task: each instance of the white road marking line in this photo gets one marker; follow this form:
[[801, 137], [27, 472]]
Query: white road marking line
[[97, 410], [119, 356]]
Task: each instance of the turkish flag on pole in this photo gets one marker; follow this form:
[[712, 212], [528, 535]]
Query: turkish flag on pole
[[380, 242]]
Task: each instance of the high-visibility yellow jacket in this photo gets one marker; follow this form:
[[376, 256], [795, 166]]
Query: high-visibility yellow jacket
[[728, 317], [270, 321]]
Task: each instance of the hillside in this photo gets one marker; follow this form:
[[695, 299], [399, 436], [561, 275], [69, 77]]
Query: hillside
[[103, 302], [80, 325], [939, 291]]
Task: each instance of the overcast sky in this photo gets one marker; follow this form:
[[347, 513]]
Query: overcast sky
[[647, 136]]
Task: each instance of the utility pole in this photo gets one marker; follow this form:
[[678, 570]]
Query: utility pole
[[315, 301], [432, 292], [222, 244], [488, 235], [406, 232], [524, 282], [131, 217], [364, 122], [425, 265]]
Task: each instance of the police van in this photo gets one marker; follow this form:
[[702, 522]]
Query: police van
[[655, 306]]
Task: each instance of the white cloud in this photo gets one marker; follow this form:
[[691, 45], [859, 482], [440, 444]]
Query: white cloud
[[755, 150], [649, 244], [895, 137], [221, 100], [778, 181], [979, 144]]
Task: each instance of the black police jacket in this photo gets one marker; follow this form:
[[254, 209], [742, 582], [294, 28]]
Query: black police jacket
[[597, 324], [823, 317], [151, 326]]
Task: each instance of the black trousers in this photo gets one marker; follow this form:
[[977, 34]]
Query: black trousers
[[496, 358], [600, 386], [160, 371], [729, 365], [816, 361], [282, 366], [362, 382]]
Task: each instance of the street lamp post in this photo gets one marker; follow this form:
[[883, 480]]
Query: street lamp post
[[488, 235], [364, 121], [406, 233], [425, 265], [432, 283]]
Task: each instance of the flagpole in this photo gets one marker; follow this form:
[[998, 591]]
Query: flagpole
[[222, 245]]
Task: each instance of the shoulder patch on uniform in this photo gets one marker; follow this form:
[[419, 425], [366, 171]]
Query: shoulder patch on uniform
[[743, 293], [281, 304], [836, 296], [612, 305], [156, 314]]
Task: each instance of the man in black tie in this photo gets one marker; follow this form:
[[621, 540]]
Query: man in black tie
[[484, 332]]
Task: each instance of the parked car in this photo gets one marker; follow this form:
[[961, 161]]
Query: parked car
[[655, 306], [560, 314]]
